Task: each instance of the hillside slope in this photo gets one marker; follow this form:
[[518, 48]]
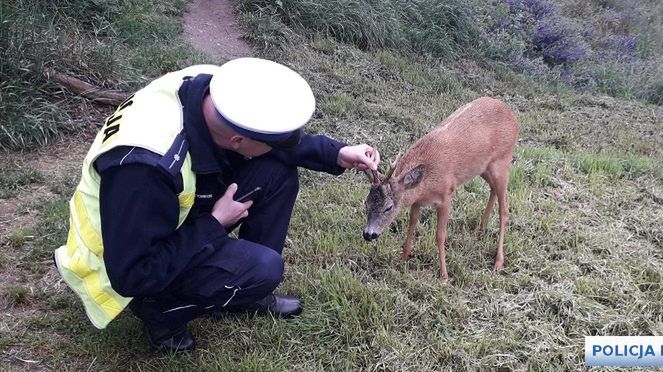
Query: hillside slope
[[584, 248]]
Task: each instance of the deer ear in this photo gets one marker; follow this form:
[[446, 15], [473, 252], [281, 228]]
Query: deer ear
[[413, 177]]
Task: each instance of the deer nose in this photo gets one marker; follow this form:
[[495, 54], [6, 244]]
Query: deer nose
[[370, 236]]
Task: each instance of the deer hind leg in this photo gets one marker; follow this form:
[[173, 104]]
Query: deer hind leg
[[443, 211], [491, 202], [500, 174], [415, 212]]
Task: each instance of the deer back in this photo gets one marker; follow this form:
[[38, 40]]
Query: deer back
[[458, 149]]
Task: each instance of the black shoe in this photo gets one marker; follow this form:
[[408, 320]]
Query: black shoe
[[160, 335], [277, 305], [165, 339], [281, 306]]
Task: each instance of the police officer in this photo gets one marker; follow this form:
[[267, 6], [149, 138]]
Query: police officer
[[151, 215]]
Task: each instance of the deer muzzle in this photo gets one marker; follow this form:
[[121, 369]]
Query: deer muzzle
[[370, 235]]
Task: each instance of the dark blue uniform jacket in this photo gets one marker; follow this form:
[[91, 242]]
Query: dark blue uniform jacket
[[144, 251]]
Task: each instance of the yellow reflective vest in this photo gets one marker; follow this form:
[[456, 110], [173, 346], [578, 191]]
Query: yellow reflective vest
[[151, 119]]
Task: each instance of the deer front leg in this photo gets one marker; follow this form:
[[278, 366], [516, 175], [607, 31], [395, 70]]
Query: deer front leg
[[415, 212], [443, 211]]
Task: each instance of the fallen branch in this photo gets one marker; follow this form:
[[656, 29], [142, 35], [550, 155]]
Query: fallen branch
[[101, 95]]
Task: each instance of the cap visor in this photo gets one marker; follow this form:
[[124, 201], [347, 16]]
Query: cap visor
[[287, 143]]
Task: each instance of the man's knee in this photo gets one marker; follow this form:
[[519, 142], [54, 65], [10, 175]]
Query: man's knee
[[268, 270]]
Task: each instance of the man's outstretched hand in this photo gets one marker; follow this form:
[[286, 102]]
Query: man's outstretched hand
[[361, 157]]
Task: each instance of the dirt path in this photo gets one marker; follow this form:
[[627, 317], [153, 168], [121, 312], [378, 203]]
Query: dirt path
[[210, 26]]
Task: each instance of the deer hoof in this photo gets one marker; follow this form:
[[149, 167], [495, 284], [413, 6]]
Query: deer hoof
[[405, 257], [498, 266], [446, 280]]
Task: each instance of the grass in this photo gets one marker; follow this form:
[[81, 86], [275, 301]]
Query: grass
[[17, 296], [16, 178], [583, 248], [19, 238]]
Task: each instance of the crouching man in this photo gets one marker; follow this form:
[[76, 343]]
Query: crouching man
[[157, 199]]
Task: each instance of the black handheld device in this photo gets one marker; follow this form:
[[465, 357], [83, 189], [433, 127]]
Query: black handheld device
[[246, 196]]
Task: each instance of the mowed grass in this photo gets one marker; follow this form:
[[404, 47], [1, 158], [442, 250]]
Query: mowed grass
[[583, 250]]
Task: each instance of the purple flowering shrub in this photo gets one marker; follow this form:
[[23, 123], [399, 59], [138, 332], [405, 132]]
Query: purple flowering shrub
[[621, 48], [593, 45], [556, 42], [537, 9], [547, 35]]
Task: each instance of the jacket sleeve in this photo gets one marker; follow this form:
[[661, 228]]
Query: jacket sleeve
[[144, 251], [318, 153]]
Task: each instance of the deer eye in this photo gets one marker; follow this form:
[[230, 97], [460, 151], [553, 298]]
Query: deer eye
[[389, 208]]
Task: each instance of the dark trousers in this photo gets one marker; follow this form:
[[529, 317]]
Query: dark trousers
[[243, 270]]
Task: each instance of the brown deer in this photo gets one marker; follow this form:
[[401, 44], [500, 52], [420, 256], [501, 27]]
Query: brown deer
[[476, 140]]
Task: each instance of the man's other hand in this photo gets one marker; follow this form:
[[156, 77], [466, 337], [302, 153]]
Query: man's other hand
[[227, 211]]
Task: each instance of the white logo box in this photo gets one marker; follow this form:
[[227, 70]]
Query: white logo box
[[624, 351]]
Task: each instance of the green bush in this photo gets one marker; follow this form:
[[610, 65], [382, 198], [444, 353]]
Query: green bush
[[423, 26]]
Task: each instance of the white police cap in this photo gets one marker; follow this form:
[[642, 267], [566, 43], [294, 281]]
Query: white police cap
[[262, 99]]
